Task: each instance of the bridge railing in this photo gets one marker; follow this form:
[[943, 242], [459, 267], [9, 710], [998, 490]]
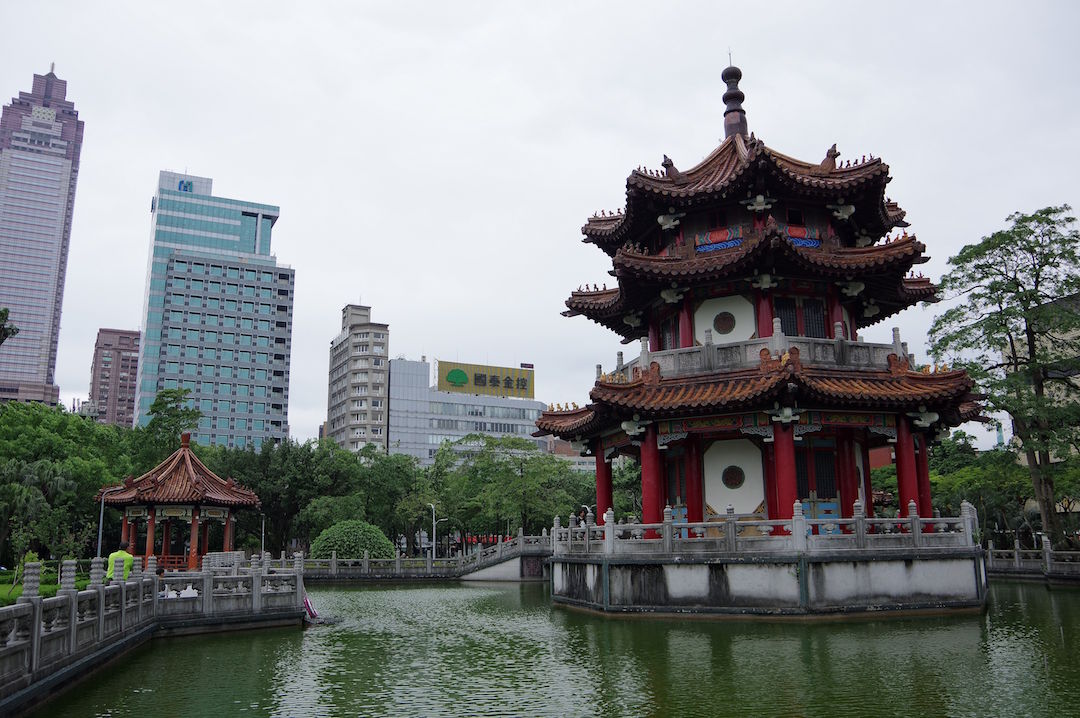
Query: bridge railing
[[749, 534], [1036, 562]]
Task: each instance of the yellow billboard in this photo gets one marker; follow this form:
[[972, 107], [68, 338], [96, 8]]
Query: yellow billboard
[[483, 379]]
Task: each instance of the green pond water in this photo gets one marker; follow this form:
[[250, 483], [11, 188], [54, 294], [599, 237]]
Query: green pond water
[[502, 649]]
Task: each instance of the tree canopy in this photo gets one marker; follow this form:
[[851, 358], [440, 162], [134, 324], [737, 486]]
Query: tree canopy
[[1016, 329], [7, 330]]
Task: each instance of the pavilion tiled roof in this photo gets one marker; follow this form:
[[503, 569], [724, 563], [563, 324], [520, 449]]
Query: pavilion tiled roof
[[181, 479], [730, 169], [651, 396]]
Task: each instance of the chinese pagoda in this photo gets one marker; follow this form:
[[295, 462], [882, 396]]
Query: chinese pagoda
[[748, 279], [180, 491]]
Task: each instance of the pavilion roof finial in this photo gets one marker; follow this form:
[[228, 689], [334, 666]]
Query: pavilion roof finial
[[734, 114]]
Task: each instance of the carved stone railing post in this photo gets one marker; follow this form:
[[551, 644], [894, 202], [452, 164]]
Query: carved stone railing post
[[556, 536], [859, 514], [731, 529], [367, 561], [67, 588], [118, 570], [333, 563], [31, 580], [798, 527], [668, 537], [1016, 552], [397, 564], [31, 586], [609, 531], [97, 583], [916, 524], [208, 593], [1048, 554], [298, 567]]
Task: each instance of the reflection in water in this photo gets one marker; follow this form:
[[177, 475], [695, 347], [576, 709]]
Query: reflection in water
[[497, 649]]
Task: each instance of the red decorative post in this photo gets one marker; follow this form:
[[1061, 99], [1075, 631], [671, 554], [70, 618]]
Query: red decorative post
[[922, 471], [193, 550], [771, 502], [695, 490], [652, 512], [906, 476], [124, 529], [787, 490], [150, 532], [603, 483], [848, 474], [764, 313], [686, 323], [228, 531]]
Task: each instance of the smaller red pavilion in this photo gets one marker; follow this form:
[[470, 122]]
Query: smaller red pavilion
[[179, 491]]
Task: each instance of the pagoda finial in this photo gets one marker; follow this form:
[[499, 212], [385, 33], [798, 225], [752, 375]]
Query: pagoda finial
[[185, 440], [734, 115]]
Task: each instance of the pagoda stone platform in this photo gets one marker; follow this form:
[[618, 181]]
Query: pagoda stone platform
[[745, 566]]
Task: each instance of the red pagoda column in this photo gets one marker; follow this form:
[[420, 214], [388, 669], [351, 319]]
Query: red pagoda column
[[686, 323], [906, 475], [764, 313], [124, 529], [868, 490], [772, 504], [922, 472], [193, 550], [603, 483], [150, 532], [695, 490], [654, 337], [652, 511], [848, 472], [787, 490]]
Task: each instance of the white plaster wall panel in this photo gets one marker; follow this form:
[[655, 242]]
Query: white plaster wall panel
[[691, 581], [774, 583], [739, 307], [736, 452], [892, 581]]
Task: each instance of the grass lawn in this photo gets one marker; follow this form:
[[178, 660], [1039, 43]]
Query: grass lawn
[[9, 593]]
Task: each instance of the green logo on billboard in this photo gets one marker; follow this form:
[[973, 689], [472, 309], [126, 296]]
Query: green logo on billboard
[[457, 377]]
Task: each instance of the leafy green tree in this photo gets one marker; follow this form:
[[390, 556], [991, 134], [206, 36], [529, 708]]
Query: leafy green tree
[[626, 487], [953, 453], [1016, 330], [350, 539], [171, 414], [7, 330]]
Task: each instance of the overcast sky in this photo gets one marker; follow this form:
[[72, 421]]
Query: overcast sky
[[437, 160]]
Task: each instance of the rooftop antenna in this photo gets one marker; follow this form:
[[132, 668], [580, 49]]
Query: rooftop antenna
[[729, 62], [52, 66]]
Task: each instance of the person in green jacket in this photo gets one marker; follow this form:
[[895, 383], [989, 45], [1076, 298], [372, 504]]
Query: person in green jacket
[[121, 552]]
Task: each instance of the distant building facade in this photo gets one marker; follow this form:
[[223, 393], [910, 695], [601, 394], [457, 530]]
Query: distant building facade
[[113, 376], [422, 417], [217, 314], [40, 142], [359, 370]]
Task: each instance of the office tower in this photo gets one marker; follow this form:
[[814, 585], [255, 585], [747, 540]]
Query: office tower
[[356, 400], [40, 141], [113, 375], [465, 399], [217, 315]]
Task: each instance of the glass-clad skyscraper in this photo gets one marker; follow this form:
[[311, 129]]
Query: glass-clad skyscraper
[[40, 142], [217, 316]]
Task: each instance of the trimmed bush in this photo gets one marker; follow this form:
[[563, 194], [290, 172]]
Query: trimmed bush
[[350, 539]]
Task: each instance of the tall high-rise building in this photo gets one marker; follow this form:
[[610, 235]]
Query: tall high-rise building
[[40, 141], [217, 315], [359, 365], [113, 374]]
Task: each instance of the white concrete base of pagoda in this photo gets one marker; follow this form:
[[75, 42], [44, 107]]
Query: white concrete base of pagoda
[[772, 568]]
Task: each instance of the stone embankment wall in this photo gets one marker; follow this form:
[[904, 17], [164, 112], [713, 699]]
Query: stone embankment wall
[[45, 643]]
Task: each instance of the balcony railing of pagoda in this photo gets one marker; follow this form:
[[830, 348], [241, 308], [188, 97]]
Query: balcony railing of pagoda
[[736, 535], [746, 354], [1045, 561]]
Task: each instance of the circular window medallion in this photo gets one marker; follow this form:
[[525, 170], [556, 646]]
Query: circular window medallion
[[724, 323], [733, 477]]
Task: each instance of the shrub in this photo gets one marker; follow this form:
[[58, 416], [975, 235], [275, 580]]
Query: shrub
[[350, 539]]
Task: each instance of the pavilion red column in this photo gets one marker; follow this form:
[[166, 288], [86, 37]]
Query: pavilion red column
[[150, 532], [695, 489], [764, 313], [193, 550], [787, 490], [603, 483], [124, 529], [906, 475], [686, 323], [848, 471], [868, 489], [652, 511], [654, 337], [228, 531], [922, 473]]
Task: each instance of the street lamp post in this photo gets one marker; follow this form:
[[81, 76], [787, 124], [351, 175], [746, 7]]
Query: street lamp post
[[432, 531]]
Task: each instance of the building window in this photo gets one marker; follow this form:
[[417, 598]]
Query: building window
[[801, 316]]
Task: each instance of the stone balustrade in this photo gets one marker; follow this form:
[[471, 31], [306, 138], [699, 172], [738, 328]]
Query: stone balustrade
[[1045, 562], [747, 354], [741, 535], [46, 641]]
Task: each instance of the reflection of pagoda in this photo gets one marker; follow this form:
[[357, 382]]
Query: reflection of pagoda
[[751, 275]]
